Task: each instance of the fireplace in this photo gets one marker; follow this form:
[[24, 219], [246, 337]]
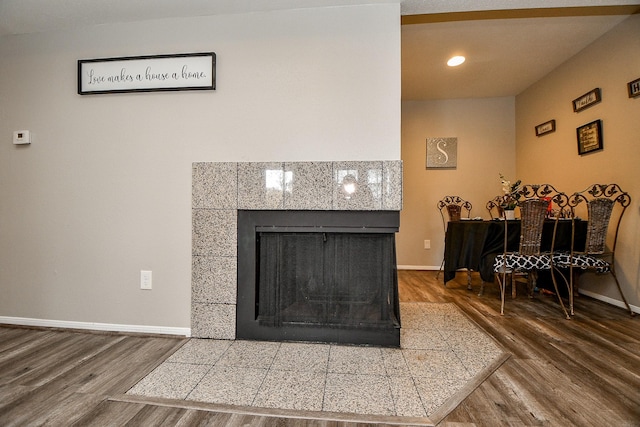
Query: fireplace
[[222, 189], [326, 276]]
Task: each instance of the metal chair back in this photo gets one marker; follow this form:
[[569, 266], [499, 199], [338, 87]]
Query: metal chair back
[[455, 207], [495, 206], [600, 201], [605, 207]]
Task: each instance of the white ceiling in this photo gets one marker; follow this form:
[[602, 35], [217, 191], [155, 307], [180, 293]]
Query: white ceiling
[[505, 56]]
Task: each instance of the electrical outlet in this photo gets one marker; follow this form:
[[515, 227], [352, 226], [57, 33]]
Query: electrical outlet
[[145, 280], [427, 244]]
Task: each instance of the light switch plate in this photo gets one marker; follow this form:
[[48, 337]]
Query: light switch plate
[[145, 280]]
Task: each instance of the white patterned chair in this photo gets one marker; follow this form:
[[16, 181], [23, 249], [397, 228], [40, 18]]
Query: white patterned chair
[[529, 259], [605, 206]]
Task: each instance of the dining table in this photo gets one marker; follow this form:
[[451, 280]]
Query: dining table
[[473, 244]]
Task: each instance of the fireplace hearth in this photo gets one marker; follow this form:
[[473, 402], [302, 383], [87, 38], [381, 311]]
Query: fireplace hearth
[[327, 276]]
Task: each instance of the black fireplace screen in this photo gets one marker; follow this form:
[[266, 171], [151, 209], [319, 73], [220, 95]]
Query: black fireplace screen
[[325, 276], [331, 279]]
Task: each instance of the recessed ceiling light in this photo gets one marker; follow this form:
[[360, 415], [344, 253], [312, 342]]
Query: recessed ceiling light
[[455, 61]]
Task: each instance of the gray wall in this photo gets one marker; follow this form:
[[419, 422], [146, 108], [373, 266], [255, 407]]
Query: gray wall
[[104, 190]]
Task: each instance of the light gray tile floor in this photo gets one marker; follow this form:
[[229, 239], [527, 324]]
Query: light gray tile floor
[[441, 350]]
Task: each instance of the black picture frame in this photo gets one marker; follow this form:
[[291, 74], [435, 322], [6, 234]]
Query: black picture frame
[[546, 127], [634, 88], [587, 100], [589, 137], [149, 73]]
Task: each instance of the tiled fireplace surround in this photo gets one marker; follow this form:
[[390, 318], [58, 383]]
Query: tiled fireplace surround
[[219, 190]]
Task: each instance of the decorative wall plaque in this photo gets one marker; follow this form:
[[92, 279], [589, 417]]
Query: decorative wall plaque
[[546, 127], [590, 137], [587, 100], [188, 71], [442, 152], [634, 88]]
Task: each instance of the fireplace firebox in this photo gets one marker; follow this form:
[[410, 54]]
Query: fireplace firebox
[[321, 276]]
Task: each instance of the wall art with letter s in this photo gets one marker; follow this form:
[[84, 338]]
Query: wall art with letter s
[[442, 152]]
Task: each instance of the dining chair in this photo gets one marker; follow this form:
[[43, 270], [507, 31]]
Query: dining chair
[[528, 259], [494, 206], [555, 198], [605, 205], [548, 192], [456, 208], [558, 208]]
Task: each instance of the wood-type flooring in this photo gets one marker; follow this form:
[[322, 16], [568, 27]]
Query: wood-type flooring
[[579, 372]]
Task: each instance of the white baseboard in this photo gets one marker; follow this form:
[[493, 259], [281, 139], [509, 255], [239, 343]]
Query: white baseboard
[[109, 327], [419, 267], [609, 300]]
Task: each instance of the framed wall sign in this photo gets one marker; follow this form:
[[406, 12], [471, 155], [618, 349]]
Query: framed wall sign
[[590, 137], [442, 153], [188, 71], [634, 88], [546, 127], [587, 100]]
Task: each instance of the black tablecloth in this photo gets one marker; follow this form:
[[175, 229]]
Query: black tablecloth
[[474, 244]]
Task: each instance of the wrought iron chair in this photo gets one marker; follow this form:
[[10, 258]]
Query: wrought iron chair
[[456, 208], [555, 198], [557, 208], [528, 259], [605, 207], [494, 206]]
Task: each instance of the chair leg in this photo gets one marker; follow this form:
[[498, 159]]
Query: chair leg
[[571, 281], [533, 283], [440, 270], [502, 286], [469, 280], [555, 285], [621, 294], [503, 289]]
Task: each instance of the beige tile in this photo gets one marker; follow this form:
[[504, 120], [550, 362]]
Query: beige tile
[[359, 394], [302, 357], [229, 385], [250, 354], [366, 181], [200, 352], [261, 185], [297, 390], [170, 380], [308, 186], [356, 360]]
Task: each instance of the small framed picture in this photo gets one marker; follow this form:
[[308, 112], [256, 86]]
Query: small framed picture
[[634, 88], [590, 137], [546, 127], [587, 100]]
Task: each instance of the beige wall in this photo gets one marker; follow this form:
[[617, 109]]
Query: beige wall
[[497, 135], [609, 63], [104, 190], [486, 147]]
